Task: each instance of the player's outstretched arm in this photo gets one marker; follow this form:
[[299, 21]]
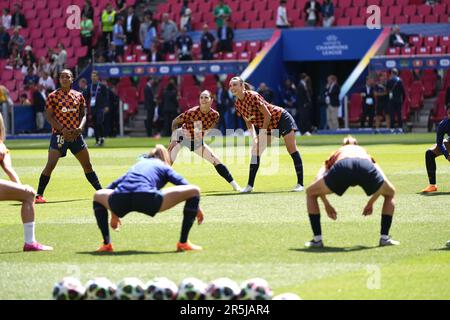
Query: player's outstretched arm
[[331, 212]]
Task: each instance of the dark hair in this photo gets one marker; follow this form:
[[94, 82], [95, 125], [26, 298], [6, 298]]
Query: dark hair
[[394, 71], [448, 106]]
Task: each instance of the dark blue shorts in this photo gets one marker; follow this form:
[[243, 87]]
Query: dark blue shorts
[[148, 203], [285, 125], [353, 172], [57, 143]]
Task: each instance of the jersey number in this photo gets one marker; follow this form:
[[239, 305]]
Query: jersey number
[[60, 139]]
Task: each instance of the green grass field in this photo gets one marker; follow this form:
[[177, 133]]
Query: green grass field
[[255, 235]]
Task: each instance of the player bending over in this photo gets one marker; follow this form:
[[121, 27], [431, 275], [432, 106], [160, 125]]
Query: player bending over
[[195, 123], [16, 191], [140, 190], [442, 147], [350, 165]]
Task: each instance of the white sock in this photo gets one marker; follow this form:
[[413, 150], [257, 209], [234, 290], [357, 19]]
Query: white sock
[[28, 229], [235, 185], [384, 237], [317, 238]]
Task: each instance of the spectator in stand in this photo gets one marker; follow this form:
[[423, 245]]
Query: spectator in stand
[[6, 19], [207, 43], [184, 45], [43, 66], [132, 27], [88, 11], [170, 107], [327, 13], [113, 114], [154, 55], [282, 18], [28, 55], [83, 88], [28, 65], [169, 33], [121, 7], [225, 35], [17, 40], [4, 42], [86, 32], [312, 9], [397, 95], [150, 105], [39, 99], [265, 92], [62, 58], [185, 20], [332, 91], [23, 100], [368, 102], [304, 106], [47, 82], [397, 39], [111, 54], [18, 19], [431, 2], [14, 61], [225, 105], [119, 37], [108, 18], [31, 79], [222, 13], [382, 101], [144, 39], [54, 67], [288, 97], [98, 100]]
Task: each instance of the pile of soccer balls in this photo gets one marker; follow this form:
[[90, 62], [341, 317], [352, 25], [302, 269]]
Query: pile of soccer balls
[[71, 288]]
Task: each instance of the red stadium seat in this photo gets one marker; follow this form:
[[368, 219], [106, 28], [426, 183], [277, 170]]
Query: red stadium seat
[[59, 23], [38, 44], [257, 24], [408, 51], [429, 80], [40, 4], [354, 112], [407, 77], [253, 16], [27, 5], [244, 56], [393, 51], [246, 6], [395, 11], [230, 56], [378, 2], [423, 10], [359, 3], [51, 43], [56, 13], [343, 21], [431, 19], [416, 41], [438, 50], [10, 85], [430, 41], [130, 58], [409, 10], [266, 15], [253, 46], [36, 34], [66, 42], [401, 3], [351, 12], [344, 3], [443, 18], [416, 93], [46, 24], [262, 5], [358, 21], [387, 20], [30, 14], [439, 9], [242, 25], [416, 19], [49, 33], [444, 41], [423, 50], [239, 46], [401, 20], [81, 52], [438, 113]]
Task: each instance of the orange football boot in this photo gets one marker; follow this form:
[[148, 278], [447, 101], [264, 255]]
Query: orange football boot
[[105, 248], [430, 188], [186, 246]]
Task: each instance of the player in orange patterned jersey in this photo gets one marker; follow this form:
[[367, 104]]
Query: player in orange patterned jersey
[[66, 112], [195, 123], [350, 165], [261, 118]]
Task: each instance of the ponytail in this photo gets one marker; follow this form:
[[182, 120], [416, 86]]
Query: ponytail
[[161, 153]]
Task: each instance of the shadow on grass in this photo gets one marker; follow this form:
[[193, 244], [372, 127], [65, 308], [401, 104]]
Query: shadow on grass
[[432, 194], [441, 249], [333, 249], [235, 193], [50, 202], [125, 253], [11, 252]]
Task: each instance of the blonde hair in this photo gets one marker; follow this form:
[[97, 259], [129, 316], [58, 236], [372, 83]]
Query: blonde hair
[[2, 129], [349, 140], [246, 85], [160, 152]]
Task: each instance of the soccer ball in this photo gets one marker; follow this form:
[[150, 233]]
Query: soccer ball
[[255, 289], [69, 288], [222, 289], [100, 289], [192, 289], [287, 296], [161, 289], [130, 289]]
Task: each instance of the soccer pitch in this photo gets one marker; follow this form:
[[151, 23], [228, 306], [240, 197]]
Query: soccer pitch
[[244, 236]]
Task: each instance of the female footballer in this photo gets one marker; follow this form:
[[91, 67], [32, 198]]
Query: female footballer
[[260, 118], [16, 191], [140, 190], [65, 110], [350, 165], [195, 123]]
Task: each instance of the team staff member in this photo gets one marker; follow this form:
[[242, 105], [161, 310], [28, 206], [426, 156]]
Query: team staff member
[[140, 190], [98, 98], [16, 191], [195, 123], [65, 111], [442, 147], [261, 117], [350, 165]]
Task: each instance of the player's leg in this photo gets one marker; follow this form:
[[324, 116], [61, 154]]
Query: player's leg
[[101, 207], [387, 190], [313, 192], [291, 146], [85, 161], [6, 164], [173, 153], [206, 153], [53, 157], [25, 194], [191, 194], [258, 148], [430, 162]]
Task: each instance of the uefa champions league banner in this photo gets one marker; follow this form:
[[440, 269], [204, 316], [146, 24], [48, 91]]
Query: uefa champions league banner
[[114, 70], [413, 62], [316, 44]]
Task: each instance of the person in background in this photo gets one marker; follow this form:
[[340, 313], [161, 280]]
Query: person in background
[[368, 102], [282, 18], [397, 95], [304, 106], [39, 99], [108, 18], [222, 13], [207, 43], [332, 102], [98, 100], [17, 18], [170, 108], [312, 9], [185, 13], [86, 32], [169, 33], [397, 39], [225, 35], [154, 55], [132, 25], [150, 105], [328, 13], [382, 102], [119, 37], [88, 11], [265, 92], [225, 105], [184, 44], [4, 42], [6, 19]]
